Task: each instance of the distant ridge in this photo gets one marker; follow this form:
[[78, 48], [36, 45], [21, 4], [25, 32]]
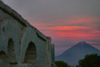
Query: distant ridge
[[77, 52]]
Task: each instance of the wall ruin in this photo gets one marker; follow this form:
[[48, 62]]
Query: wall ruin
[[22, 45]]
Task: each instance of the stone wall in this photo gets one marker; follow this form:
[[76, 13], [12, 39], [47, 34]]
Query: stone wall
[[22, 45]]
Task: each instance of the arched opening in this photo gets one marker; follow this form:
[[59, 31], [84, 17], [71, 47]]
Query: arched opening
[[4, 61], [31, 55], [11, 53]]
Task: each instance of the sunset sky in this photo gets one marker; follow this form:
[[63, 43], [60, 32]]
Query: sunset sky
[[67, 22]]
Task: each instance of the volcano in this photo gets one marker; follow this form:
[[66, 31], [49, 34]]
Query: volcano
[[77, 52]]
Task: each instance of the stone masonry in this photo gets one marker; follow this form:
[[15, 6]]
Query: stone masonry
[[22, 45]]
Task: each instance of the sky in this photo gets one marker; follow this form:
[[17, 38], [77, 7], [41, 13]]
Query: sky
[[67, 22]]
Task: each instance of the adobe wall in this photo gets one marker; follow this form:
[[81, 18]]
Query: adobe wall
[[22, 45]]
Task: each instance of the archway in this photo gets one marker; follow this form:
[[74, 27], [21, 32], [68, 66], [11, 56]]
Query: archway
[[4, 61], [31, 55], [11, 53]]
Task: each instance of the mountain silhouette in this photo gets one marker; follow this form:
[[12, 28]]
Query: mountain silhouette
[[77, 52]]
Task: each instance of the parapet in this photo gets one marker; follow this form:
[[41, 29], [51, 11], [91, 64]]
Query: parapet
[[19, 18]]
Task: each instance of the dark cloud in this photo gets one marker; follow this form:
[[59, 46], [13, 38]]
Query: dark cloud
[[56, 8]]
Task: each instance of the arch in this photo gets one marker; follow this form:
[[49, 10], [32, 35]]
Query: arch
[[31, 55], [4, 61], [11, 53]]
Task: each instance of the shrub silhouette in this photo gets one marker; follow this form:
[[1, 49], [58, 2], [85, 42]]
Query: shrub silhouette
[[61, 64], [92, 60]]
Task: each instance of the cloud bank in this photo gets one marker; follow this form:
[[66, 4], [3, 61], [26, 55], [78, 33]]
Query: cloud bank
[[66, 21]]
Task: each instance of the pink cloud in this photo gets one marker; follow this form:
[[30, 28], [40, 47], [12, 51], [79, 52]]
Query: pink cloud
[[64, 30], [68, 27], [86, 20], [80, 19], [97, 46], [71, 33], [93, 42]]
